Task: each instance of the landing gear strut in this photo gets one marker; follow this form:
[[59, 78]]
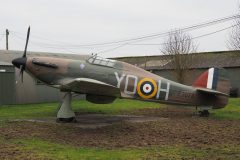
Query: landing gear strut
[[65, 113]]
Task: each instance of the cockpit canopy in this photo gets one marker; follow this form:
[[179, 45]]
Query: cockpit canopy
[[101, 61]]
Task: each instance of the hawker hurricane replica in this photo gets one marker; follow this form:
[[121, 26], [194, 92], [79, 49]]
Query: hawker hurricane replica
[[104, 80]]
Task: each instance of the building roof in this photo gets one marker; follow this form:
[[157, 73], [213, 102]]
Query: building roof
[[199, 60], [224, 59]]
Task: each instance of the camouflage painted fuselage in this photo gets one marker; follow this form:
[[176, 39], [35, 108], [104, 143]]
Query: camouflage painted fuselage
[[133, 82]]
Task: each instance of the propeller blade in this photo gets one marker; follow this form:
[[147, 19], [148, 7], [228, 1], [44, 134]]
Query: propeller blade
[[22, 76], [21, 73], [25, 50], [21, 62]]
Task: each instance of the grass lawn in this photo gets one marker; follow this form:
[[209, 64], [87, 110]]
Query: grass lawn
[[41, 149], [49, 109], [231, 111], [37, 148]]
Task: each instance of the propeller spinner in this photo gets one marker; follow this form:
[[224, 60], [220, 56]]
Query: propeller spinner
[[21, 62]]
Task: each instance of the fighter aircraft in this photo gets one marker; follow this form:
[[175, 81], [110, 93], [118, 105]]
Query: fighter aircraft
[[104, 80]]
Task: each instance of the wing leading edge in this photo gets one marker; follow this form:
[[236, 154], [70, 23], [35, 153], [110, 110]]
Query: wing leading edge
[[91, 86]]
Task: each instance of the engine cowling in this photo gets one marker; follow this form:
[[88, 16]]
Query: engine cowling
[[98, 99]]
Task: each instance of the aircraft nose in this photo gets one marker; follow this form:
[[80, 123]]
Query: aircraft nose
[[19, 62]]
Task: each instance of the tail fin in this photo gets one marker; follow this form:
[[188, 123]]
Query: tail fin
[[214, 87], [214, 79]]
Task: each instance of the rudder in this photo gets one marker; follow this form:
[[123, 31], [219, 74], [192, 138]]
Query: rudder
[[214, 79]]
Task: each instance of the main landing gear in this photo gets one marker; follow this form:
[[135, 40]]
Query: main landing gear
[[65, 113]]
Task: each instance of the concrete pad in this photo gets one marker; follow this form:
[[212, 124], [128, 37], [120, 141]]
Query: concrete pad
[[98, 120]]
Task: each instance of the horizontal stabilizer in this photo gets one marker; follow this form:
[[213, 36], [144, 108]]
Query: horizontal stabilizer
[[209, 91], [91, 86]]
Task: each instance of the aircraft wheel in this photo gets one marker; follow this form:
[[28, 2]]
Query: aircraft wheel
[[66, 120], [204, 113]]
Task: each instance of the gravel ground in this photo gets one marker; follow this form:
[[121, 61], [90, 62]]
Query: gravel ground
[[172, 127]]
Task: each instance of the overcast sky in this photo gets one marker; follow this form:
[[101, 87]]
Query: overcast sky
[[63, 23]]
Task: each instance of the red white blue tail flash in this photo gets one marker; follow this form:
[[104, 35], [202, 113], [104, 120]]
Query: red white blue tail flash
[[208, 79]]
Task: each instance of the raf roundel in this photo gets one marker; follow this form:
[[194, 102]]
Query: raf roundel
[[147, 88]]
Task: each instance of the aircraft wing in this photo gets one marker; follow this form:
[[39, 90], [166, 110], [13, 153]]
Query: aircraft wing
[[91, 86], [210, 91]]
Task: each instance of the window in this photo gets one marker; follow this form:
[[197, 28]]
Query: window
[[101, 61]]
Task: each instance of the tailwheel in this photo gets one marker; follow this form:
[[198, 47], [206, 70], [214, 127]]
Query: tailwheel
[[204, 113]]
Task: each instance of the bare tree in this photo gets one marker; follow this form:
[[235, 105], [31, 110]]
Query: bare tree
[[178, 49], [234, 36]]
